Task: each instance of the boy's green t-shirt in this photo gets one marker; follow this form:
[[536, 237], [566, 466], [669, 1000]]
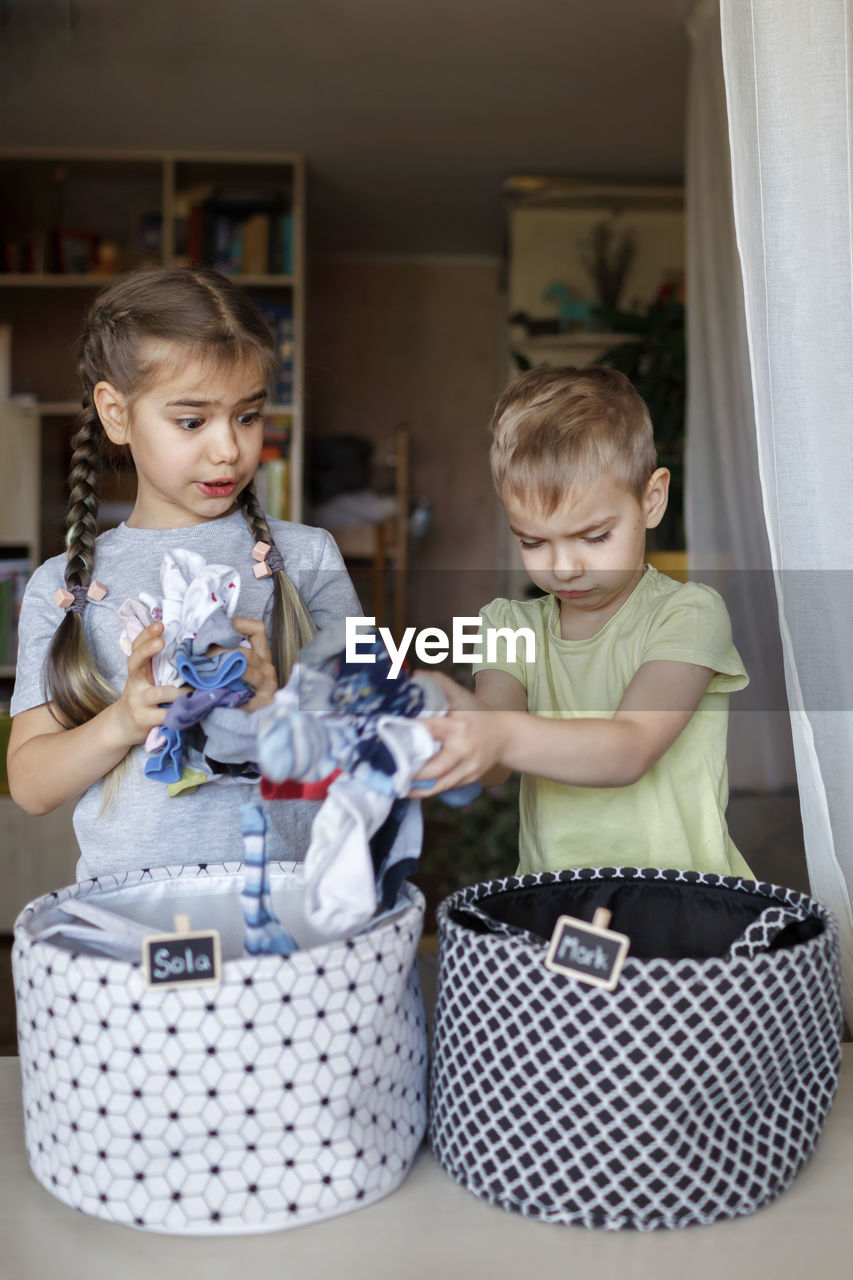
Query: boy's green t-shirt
[[674, 816]]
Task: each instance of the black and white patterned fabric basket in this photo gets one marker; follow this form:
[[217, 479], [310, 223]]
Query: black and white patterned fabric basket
[[693, 1092], [292, 1091]]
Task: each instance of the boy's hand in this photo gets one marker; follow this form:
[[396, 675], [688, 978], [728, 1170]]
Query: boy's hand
[[458, 698], [138, 708], [260, 672], [472, 743]]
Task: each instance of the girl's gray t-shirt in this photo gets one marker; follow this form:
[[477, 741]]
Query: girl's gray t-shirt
[[141, 825]]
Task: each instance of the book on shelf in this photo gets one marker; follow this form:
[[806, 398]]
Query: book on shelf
[[14, 573], [281, 245], [279, 317], [272, 481], [256, 244], [237, 230], [27, 256], [278, 426]]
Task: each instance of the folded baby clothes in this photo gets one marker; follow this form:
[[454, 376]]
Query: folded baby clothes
[[221, 686], [213, 671], [194, 706], [198, 602]]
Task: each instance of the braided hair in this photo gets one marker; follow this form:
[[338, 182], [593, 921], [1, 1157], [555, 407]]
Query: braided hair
[[292, 624], [203, 312]]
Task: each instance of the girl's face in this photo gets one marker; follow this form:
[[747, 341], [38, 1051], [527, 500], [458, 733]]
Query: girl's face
[[195, 436]]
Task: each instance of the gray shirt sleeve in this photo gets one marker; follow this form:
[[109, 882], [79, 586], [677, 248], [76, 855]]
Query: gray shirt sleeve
[[324, 583], [37, 625]]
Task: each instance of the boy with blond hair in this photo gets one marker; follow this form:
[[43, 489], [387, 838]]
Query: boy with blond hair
[[618, 725]]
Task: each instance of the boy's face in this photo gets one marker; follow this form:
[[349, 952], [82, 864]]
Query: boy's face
[[590, 551]]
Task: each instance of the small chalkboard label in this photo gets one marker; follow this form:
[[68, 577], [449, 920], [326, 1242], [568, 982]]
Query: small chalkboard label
[[592, 953], [182, 959]]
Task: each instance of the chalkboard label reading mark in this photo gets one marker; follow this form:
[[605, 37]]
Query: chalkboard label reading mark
[[182, 959], [592, 953]]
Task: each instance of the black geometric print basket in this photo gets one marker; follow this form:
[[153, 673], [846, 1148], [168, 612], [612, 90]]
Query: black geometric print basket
[[693, 1092], [292, 1091]]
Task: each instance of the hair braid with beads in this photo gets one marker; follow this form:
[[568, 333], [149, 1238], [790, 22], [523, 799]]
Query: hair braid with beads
[[207, 316], [292, 624], [76, 690]]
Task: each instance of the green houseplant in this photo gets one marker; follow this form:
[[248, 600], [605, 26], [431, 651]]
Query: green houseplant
[[653, 356]]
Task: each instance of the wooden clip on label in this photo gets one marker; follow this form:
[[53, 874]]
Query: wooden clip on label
[[182, 958], [591, 953]]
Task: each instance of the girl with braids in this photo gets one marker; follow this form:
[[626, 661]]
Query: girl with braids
[[174, 365]]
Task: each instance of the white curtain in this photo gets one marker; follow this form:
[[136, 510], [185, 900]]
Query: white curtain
[[787, 68], [726, 533]]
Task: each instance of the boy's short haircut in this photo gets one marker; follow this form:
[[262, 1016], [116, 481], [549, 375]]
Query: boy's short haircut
[[555, 431]]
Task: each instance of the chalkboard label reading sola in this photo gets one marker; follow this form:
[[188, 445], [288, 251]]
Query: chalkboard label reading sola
[[183, 958], [592, 953]]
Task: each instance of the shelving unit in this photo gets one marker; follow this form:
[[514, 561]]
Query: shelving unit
[[73, 219]]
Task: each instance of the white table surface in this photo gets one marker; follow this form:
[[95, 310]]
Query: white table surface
[[431, 1227]]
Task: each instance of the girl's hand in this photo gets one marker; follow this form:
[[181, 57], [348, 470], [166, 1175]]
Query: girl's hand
[[472, 743], [260, 672], [138, 710]]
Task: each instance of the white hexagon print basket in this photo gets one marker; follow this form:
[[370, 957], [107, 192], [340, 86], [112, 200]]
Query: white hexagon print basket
[[292, 1091], [692, 1092]]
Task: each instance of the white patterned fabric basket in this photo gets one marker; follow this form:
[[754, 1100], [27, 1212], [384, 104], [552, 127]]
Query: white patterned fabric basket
[[693, 1092], [292, 1091]]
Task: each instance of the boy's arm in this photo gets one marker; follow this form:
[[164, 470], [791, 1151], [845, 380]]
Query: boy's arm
[[499, 691], [657, 705]]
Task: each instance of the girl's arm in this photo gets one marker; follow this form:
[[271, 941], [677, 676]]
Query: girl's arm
[[48, 764], [656, 707]]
